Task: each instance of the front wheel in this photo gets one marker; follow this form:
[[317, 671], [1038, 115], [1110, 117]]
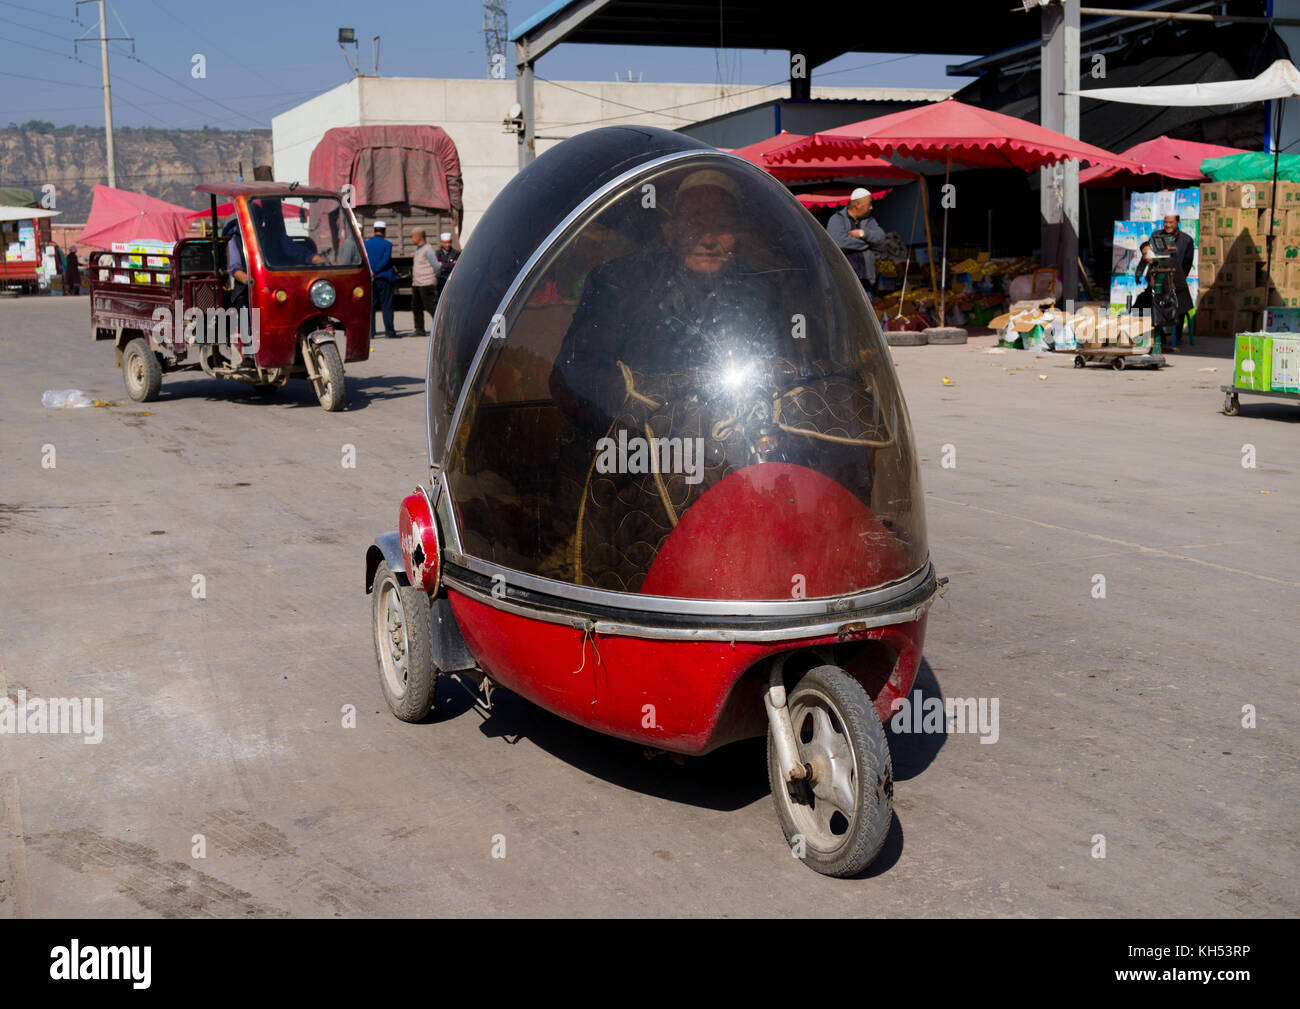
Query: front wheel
[[837, 818], [403, 645], [141, 371], [328, 382], [1231, 404]]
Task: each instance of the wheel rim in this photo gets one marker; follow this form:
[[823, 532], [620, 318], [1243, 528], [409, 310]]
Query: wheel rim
[[323, 377], [135, 371], [829, 811], [390, 633]]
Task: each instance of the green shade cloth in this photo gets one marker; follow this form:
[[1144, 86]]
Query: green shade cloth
[[1252, 166]]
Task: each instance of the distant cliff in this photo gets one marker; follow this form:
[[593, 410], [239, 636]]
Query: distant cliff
[[167, 164]]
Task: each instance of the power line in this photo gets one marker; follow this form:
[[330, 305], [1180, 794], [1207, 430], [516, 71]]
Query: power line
[[38, 31], [46, 80], [33, 10], [193, 91]]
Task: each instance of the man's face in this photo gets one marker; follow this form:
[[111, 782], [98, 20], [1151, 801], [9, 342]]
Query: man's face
[[417, 237], [861, 207], [702, 230], [445, 243], [1171, 224]]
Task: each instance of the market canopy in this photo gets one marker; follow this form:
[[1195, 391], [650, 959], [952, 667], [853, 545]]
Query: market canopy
[[26, 213], [832, 196], [1280, 80], [865, 169], [1164, 157], [947, 131], [117, 215]]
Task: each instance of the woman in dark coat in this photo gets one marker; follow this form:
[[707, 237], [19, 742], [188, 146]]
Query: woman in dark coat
[[72, 272]]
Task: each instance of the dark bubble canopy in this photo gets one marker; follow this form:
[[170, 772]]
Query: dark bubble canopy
[[653, 375]]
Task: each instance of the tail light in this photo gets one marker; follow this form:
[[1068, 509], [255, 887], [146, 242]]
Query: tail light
[[418, 532]]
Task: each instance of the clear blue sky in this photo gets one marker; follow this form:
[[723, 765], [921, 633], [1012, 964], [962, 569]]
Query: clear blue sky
[[265, 57]]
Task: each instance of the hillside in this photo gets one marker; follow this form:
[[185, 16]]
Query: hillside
[[167, 164]]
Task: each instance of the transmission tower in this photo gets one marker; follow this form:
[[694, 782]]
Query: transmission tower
[[494, 35]]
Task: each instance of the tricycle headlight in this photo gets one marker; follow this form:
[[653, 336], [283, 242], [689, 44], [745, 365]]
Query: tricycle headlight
[[321, 294]]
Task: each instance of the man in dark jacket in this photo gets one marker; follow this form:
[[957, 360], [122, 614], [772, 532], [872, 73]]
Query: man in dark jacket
[[379, 250], [1180, 249], [856, 232]]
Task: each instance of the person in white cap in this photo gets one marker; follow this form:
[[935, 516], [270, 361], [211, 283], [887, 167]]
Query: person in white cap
[[858, 235], [447, 257], [379, 250]]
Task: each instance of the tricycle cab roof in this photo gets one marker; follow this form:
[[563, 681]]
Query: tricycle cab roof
[[655, 383]]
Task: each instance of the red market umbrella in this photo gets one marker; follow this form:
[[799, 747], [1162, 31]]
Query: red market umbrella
[[866, 169], [117, 215], [1163, 157], [832, 196], [289, 213], [948, 132]]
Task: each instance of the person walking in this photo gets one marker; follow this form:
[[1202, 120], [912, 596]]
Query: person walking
[[858, 235], [424, 281], [379, 250], [72, 272]]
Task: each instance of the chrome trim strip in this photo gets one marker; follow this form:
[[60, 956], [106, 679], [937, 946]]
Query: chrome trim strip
[[727, 634], [472, 376], [697, 607]]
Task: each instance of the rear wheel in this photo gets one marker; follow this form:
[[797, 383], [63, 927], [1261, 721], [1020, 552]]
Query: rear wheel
[[403, 645], [838, 818], [141, 371], [1231, 404], [1117, 364], [328, 382], [1079, 361]]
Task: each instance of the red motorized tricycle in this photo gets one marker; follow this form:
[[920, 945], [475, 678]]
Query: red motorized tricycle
[[281, 291], [674, 494]]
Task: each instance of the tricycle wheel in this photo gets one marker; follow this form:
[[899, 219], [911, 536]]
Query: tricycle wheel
[[403, 645], [1231, 404], [1117, 364], [141, 371], [1079, 361], [328, 382], [836, 819]]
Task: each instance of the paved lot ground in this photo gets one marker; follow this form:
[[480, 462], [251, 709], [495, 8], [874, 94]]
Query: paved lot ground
[[1119, 716]]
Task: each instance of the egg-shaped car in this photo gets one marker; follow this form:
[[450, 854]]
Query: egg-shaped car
[[673, 488]]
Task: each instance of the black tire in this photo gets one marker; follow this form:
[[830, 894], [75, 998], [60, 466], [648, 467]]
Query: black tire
[[945, 335], [1117, 364], [141, 371], [1079, 361], [403, 645], [1231, 404], [329, 386], [905, 338], [844, 849]]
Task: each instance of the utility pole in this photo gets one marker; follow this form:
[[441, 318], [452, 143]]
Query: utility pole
[[1059, 192], [104, 39]]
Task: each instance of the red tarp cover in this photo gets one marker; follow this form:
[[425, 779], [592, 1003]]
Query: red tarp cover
[[117, 215], [409, 164], [1163, 156], [972, 137]]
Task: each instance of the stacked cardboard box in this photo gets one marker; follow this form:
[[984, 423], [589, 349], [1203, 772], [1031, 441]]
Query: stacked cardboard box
[[1239, 222]]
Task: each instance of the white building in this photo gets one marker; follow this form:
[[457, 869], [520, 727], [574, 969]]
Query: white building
[[471, 111]]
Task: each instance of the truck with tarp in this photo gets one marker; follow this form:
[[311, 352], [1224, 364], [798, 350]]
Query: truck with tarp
[[407, 176]]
